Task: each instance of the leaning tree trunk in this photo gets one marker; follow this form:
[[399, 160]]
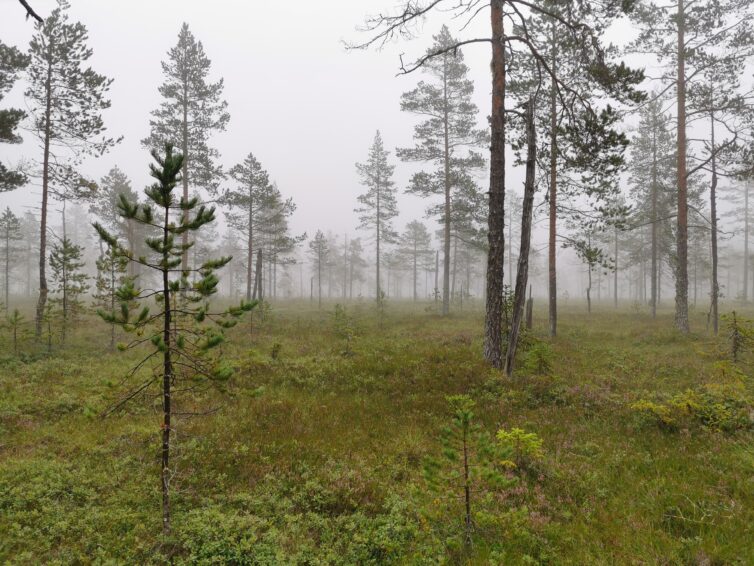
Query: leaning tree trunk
[[496, 222], [682, 276], [523, 258]]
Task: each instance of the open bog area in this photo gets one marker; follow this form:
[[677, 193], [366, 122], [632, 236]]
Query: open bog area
[[316, 450]]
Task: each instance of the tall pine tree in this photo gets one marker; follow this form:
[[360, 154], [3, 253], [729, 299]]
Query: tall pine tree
[[378, 204], [445, 137], [66, 99], [191, 111]]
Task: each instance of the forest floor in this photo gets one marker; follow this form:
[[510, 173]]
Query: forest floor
[[316, 454]]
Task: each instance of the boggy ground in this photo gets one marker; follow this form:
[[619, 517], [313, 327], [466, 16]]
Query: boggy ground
[[316, 454]]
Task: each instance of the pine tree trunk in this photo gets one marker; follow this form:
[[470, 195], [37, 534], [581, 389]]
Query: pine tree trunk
[[615, 279], [167, 380], [42, 301], [655, 276], [551, 250], [377, 282], [446, 232], [713, 230], [522, 274], [184, 173], [250, 250], [496, 223], [7, 270], [746, 240], [682, 280]]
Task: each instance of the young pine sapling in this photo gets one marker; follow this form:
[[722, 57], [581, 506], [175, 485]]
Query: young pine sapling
[[183, 330]]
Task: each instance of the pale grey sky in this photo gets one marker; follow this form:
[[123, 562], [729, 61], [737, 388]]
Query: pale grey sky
[[303, 105]]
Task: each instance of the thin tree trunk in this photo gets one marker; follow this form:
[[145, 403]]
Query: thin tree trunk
[[250, 244], [713, 229], [746, 240], [167, 380], [523, 257], [551, 250], [42, 301], [446, 234], [496, 222], [682, 280], [655, 276], [615, 278], [184, 172]]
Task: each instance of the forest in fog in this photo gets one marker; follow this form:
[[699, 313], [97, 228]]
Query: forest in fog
[[385, 282]]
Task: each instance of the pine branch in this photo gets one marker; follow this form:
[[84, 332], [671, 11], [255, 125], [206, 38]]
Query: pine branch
[[30, 11]]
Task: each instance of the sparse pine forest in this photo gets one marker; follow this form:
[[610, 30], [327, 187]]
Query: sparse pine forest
[[413, 282]]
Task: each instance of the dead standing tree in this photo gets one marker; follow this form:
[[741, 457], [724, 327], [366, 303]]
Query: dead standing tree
[[523, 256], [404, 22]]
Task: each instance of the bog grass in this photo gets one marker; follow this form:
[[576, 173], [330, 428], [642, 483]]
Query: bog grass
[[313, 452]]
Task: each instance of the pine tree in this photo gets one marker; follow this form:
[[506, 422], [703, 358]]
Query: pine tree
[[30, 251], [506, 49], [471, 464], [66, 101], [356, 264], [70, 284], [183, 330], [652, 154], [444, 137], [10, 234], [717, 101], [684, 37], [319, 253], [112, 187], [111, 275], [191, 111], [12, 62], [415, 246], [579, 139], [378, 204], [244, 205], [740, 195]]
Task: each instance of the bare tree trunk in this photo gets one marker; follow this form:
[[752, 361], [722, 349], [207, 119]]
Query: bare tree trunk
[[250, 250], [552, 257], [345, 265], [615, 278], [523, 256], [682, 279], [496, 223], [655, 275], [530, 311], [42, 301], [437, 272], [446, 234], [715, 294], [167, 380], [746, 240], [184, 172]]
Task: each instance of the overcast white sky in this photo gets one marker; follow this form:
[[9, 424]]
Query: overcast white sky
[[306, 107]]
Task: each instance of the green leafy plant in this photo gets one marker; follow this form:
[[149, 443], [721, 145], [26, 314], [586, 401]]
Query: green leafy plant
[[526, 447]]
